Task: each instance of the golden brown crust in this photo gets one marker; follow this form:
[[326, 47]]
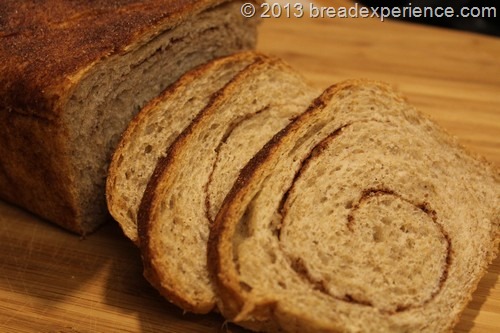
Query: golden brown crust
[[44, 164], [47, 45]]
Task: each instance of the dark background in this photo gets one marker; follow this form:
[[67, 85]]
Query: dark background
[[489, 26]]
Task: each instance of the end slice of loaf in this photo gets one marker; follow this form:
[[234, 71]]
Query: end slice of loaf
[[189, 184], [361, 216], [151, 132]]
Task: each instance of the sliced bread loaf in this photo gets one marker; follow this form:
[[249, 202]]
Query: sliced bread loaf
[[360, 216], [189, 184], [152, 131], [72, 76]]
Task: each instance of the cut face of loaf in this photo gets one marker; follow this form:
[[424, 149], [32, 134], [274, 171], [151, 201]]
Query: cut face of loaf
[[64, 110], [360, 216], [153, 130], [189, 184]]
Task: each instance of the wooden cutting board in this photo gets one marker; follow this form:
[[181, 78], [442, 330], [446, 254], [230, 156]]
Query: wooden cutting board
[[52, 281]]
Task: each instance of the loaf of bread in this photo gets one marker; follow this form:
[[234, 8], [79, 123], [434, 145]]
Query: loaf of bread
[[190, 182], [154, 129], [72, 76], [360, 216]]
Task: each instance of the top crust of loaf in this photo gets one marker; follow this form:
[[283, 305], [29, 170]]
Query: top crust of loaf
[[263, 299], [41, 55]]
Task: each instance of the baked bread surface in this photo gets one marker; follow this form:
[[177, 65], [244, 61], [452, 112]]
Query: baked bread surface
[[155, 127], [48, 45], [73, 74], [190, 182], [361, 216]]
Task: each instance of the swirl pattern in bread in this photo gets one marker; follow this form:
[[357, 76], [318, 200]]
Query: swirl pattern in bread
[[157, 125], [360, 216], [189, 184]]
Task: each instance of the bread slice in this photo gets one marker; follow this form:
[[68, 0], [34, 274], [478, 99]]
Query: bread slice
[[361, 216], [72, 76], [189, 184], [151, 132]]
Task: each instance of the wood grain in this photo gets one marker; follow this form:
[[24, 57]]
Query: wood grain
[[52, 281]]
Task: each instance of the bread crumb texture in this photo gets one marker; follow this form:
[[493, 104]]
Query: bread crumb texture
[[363, 217]]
